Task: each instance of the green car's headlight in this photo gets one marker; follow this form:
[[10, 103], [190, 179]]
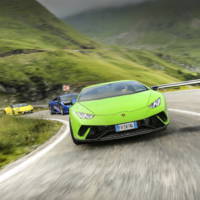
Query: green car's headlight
[[85, 115], [155, 103]]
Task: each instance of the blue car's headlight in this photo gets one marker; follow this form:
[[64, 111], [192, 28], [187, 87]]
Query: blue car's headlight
[[155, 103], [85, 115]]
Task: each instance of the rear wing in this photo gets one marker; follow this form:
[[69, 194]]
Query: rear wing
[[170, 85]]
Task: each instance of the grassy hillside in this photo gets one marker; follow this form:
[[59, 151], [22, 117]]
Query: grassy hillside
[[27, 25], [169, 26], [39, 53], [35, 76]]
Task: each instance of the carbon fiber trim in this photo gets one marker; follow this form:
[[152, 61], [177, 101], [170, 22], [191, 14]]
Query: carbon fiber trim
[[122, 135]]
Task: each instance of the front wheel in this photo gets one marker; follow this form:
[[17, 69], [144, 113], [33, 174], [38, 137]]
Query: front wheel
[[73, 139], [62, 111], [14, 112]]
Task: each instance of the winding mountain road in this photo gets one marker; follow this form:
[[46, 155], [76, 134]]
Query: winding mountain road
[[157, 166]]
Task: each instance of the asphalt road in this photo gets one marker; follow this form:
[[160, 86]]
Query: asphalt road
[[158, 166]]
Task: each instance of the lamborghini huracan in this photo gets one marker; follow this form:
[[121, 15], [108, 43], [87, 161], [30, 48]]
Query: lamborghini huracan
[[117, 110]]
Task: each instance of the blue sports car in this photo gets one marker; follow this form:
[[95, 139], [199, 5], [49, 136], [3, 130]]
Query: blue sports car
[[61, 104]]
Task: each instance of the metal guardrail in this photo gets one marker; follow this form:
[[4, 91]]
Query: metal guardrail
[[184, 83]]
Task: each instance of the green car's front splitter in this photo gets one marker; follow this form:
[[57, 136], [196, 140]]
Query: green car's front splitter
[[93, 133]]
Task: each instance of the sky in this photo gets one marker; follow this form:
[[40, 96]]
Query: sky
[[63, 8]]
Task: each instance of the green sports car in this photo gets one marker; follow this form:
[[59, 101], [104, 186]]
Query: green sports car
[[117, 110]]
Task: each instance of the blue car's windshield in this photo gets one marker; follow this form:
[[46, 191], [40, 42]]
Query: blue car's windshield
[[68, 98], [111, 90]]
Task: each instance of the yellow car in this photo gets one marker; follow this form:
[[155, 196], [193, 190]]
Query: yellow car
[[17, 109]]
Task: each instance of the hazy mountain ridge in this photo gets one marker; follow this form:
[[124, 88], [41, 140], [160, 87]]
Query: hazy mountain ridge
[[169, 26]]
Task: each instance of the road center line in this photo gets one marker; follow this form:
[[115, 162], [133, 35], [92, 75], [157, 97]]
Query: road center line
[[41, 153], [38, 155]]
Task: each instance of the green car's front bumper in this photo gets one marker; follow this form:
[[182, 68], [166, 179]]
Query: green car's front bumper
[[104, 129]]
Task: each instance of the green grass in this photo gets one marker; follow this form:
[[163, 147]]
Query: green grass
[[19, 136]]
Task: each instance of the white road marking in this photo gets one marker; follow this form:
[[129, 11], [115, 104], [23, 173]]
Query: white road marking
[[35, 157], [41, 153], [185, 112]]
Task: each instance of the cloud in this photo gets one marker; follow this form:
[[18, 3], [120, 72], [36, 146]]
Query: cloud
[[63, 8]]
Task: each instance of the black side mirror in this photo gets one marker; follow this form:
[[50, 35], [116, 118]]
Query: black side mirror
[[156, 88]]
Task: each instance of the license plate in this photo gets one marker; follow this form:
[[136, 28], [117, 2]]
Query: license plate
[[125, 127]]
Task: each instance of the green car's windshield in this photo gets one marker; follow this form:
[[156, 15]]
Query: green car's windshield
[[111, 90]]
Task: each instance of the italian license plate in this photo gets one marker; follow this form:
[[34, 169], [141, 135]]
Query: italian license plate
[[125, 127]]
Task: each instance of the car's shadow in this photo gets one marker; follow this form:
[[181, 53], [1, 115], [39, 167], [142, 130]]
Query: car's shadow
[[134, 139], [148, 137]]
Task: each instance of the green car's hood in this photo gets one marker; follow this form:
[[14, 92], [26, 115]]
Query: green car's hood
[[119, 104]]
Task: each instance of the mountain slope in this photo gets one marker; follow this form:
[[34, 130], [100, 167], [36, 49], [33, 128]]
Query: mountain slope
[[171, 20], [39, 53], [25, 24], [168, 25]]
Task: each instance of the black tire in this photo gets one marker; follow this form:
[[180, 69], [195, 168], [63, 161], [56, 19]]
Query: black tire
[[61, 111], [73, 139], [51, 110], [13, 112]]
